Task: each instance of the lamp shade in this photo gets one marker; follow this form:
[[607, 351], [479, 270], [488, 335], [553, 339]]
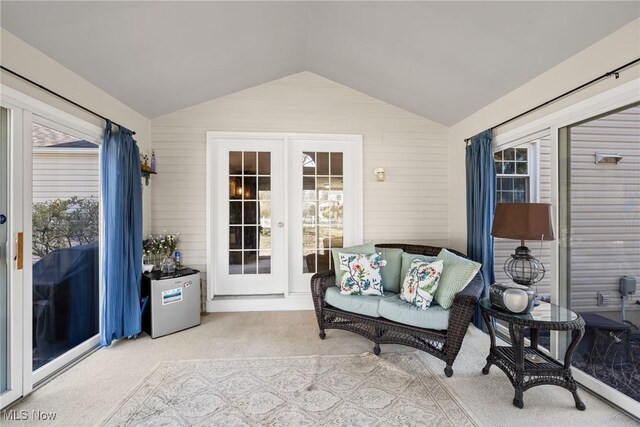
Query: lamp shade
[[523, 221]]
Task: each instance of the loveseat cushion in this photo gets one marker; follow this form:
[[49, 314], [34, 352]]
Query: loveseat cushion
[[366, 305], [392, 257], [393, 308]]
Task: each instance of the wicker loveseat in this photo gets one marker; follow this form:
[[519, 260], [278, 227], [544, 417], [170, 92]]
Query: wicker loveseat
[[443, 344]]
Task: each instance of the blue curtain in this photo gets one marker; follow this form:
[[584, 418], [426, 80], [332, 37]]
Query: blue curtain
[[481, 203], [122, 241]]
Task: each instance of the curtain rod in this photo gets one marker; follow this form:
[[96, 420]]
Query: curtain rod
[[64, 98], [615, 73]]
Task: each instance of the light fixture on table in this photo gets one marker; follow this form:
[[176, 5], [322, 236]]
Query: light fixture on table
[[523, 221]]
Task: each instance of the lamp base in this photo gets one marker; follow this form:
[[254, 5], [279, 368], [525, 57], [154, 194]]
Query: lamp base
[[523, 268]]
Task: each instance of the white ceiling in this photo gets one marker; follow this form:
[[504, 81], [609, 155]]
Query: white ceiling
[[440, 60]]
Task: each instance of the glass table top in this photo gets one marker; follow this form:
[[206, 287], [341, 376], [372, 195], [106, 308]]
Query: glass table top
[[545, 312]]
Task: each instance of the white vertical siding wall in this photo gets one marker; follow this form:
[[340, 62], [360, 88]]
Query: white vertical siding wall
[[64, 173], [605, 210], [412, 205]]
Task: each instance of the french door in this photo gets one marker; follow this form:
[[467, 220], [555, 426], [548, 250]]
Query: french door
[[49, 241], [278, 204], [250, 200]]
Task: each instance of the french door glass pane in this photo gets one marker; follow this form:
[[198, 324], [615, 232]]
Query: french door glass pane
[[4, 262], [603, 245], [322, 209], [249, 212], [66, 228]]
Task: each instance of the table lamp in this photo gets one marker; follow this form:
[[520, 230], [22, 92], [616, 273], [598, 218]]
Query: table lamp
[[523, 221]]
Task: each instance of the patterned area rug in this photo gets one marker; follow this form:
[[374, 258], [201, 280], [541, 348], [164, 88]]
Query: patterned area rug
[[358, 390]]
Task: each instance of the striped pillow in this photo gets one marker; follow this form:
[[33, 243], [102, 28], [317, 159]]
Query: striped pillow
[[457, 272]]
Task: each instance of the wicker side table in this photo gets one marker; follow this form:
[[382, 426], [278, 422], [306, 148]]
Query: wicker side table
[[515, 360]]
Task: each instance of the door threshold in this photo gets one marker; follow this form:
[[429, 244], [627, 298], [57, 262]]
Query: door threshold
[[249, 296], [271, 302]]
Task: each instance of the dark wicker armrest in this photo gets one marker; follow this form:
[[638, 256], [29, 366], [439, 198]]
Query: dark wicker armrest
[[320, 282], [460, 317], [472, 291]]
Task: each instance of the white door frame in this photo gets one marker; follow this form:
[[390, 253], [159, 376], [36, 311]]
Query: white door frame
[[30, 110], [288, 300], [15, 289]]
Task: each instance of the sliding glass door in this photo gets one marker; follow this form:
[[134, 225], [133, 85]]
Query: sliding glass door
[[49, 241], [600, 248], [65, 219]]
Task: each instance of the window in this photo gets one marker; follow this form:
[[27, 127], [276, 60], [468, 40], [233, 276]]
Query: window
[[512, 168], [249, 212]]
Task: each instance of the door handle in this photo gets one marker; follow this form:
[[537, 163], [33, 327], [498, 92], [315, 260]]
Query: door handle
[[19, 254], [280, 224]]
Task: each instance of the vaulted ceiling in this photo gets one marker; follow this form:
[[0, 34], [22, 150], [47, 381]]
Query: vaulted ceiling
[[440, 60]]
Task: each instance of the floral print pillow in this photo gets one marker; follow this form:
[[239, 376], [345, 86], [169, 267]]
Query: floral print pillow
[[361, 274], [421, 282]]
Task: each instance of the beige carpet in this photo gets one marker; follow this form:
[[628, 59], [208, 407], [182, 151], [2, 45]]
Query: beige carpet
[[89, 391], [360, 390]]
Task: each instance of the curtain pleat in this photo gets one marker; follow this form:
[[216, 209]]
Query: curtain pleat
[[122, 239], [481, 191]]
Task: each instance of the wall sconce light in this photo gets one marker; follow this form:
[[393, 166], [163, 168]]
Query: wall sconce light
[[608, 158], [379, 174]]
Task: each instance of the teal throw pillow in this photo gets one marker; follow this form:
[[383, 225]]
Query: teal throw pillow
[[391, 266], [367, 249], [457, 272]]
